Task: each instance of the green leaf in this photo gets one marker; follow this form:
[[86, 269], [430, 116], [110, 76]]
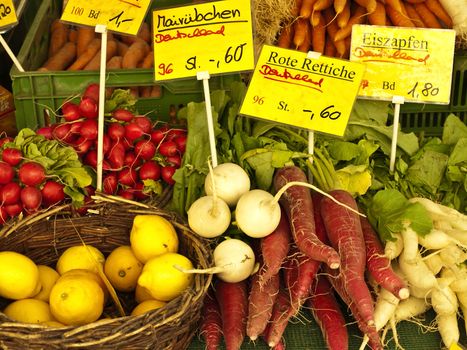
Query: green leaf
[[428, 171], [152, 186], [459, 152], [453, 130]]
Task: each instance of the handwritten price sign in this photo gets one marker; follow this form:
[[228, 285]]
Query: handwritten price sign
[[312, 93], [215, 37], [7, 13], [415, 63], [121, 16]]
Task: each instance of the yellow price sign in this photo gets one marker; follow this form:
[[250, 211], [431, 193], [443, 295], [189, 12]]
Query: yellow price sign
[[313, 93], [7, 13], [415, 63], [121, 16], [215, 36]]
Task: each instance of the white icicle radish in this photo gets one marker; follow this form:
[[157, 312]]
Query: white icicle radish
[[393, 249], [448, 328], [410, 307], [444, 300], [417, 273], [209, 216], [230, 182], [257, 213]]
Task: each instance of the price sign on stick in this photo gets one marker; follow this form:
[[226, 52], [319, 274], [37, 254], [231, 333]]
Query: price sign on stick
[[414, 63], [305, 90], [121, 16], [215, 37], [7, 13]]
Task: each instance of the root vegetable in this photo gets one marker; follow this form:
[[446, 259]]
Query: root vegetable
[[10, 193], [417, 273], [7, 173], [278, 322], [393, 249], [409, 308], [31, 173], [209, 216], [52, 192], [31, 198], [211, 322]]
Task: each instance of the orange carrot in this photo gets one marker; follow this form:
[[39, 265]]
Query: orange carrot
[[339, 6], [73, 35], [331, 29], [286, 36], [115, 62], [318, 35], [414, 1], [62, 58], [397, 18], [428, 18], [148, 60], [395, 4], [87, 55], [344, 16], [370, 5], [357, 18], [307, 8], [314, 19], [321, 5], [439, 11], [136, 53], [85, 36], [95, 63], [122, 48], [156, 91], [300, 32], [378, 16], [58, 36], [306, 45], [413, 15], [144, 32], [295, 12], [329, 48], [145, 91]]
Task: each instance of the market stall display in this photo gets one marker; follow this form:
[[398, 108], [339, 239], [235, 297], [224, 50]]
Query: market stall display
[[270, 233]]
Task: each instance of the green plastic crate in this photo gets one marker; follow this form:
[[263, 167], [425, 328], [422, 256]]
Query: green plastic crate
[[430, 118], [36, 91]]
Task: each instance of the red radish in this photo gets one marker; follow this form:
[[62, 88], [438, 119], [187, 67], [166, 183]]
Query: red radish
[[82, 145], [6, 139], [14, 209], [138, 191], [175, 160], [173, 133], [274, 249], [127, 194], [167, 173], [92, 91], [10, 193], [88, 108], [110, 183], [116, 131], [144, 123], [70, 111], [211, 322], [145, 149], [150, 170], [46, 131], [52, 192], [378, 265], [127, 143], [278, 323], [168, 148], [133, 131], [3, 215], [328, 315], [106, 143], [122, 115], [89, 129], [260, 304], [31, 173], [233, 304], [12, 156], [130, 159], [116, 155], [75, 127], [298, 205], [7, 173], [106, 166], [180, 142], [31, 197], [158, 135], [62, 132], [127, 177], [345, 234]]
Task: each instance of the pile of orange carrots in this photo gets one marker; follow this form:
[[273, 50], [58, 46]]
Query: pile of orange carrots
[[325, 26]]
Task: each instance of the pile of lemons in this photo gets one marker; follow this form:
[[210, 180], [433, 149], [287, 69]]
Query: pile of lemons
[[75, 292]]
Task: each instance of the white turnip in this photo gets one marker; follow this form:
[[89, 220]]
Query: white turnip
[[209, 216]]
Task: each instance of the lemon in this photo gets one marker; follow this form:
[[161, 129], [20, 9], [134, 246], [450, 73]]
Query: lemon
[[123, 269], [142, 294], [146, 306], [163, 281], [76, 300], [87, 274], [152, 235], [54, 324], [29, 311], [19, 276], [80, 257], [47, 277]]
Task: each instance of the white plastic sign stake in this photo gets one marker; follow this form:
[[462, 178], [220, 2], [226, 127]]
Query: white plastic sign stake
[[204, 76], [102, 29], [397, 100]]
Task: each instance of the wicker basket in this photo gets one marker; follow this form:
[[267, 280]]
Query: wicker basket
[[43, 237]]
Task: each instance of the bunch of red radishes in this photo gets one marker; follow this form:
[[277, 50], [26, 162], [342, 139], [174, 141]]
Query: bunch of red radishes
[[24, 187], [135, 149]]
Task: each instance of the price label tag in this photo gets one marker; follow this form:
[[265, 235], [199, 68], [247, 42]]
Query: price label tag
[[7, 13], [121, 16], [215, 36], [415, 63], [313, 93]]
